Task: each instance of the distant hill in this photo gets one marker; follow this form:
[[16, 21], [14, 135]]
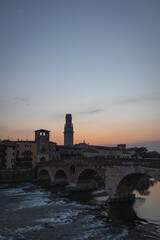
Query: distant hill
[[150, 145]]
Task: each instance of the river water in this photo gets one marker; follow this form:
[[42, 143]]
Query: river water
[[30, 212]]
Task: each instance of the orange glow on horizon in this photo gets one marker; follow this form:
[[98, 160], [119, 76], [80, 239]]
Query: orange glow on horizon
[[100, 138], [95, 133]]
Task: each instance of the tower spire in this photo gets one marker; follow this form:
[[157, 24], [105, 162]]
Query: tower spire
[[68, 131]]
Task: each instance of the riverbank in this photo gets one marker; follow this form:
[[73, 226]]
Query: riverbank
[[17, 175]]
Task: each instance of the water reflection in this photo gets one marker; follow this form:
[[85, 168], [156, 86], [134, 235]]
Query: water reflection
[[143, 185], [125, 213], [145, 208], [150, 209]]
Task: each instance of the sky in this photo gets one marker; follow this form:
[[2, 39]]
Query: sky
[[98, 60]]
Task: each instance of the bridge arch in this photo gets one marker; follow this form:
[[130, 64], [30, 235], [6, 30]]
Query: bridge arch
[[128, 183], [61, 177], [43, 174], [91, 177]]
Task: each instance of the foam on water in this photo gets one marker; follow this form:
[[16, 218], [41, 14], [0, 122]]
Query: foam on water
[[29, 228], [121, 235], [53, 221], [58, 202], [81, 206], [11, 191], [61, 218], [37, 202], [91, 234], [38, 199], [4, 186], [92, 221]]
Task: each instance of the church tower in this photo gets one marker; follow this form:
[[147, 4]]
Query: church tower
[[68, 131]]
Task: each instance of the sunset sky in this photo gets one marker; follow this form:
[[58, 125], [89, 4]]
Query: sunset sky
[[96, 59]]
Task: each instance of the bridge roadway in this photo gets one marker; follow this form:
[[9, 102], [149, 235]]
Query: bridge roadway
[[117, 177]]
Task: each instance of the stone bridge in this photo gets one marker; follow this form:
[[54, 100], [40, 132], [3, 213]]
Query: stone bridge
[[117, 177]]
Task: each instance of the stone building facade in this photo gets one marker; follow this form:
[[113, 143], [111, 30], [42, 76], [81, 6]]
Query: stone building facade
[[26, 154], [7, 154]]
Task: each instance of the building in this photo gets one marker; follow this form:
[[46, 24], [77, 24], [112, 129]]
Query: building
[[7, 154], [53, 153], [26, 154], [68, 151], [42, 140], [68, 131], [120, 151]]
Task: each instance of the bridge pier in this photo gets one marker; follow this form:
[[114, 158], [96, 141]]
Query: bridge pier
[[71, 187], [79, 187], [121, 197], [52, 181]]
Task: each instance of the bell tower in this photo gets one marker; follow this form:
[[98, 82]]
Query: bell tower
[[68, 131]]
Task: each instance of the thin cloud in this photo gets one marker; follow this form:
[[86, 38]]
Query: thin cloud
[[59, 116], [85, 112], [26, 100], [94, 111], [22, 101], [139, 99]]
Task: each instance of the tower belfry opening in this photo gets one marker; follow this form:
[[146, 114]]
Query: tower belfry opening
[[68, 131]]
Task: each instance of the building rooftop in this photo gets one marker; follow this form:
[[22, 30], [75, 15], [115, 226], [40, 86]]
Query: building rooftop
[[7, 142], [41, 130], [67, 147]]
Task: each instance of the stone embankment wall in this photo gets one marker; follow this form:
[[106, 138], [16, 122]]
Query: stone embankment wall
[[16, 175]]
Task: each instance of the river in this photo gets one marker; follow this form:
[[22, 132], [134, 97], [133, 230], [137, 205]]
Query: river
[[30, 212]]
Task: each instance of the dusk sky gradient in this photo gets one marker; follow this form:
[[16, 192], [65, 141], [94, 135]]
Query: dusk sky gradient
[[96, 59]]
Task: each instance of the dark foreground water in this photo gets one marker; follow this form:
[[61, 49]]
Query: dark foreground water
[[30, 212]]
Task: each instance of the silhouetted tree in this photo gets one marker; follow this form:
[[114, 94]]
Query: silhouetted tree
[[144, 184], [153, 154], [141, 152]]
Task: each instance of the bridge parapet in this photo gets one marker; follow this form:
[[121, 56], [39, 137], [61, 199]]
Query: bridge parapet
[[99, 161]]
